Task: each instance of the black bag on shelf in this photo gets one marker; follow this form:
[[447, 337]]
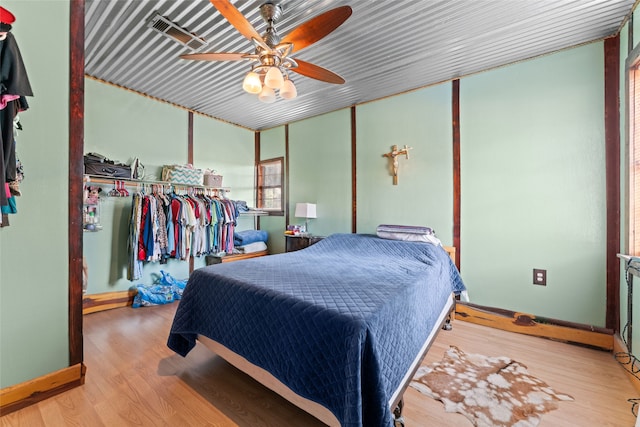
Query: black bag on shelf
[[99, 165]]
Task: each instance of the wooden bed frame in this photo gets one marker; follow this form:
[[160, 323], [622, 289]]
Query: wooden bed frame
[[311, 407]]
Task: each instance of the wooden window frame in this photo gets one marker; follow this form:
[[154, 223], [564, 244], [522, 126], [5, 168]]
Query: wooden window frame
[[632, 212], [260, 186]]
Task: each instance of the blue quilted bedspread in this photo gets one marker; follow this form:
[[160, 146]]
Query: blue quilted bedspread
[[338, 322]]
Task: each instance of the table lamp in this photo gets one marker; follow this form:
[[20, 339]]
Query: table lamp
[[306, 211]]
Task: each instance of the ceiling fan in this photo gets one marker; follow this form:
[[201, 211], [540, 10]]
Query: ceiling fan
[[271, 60]]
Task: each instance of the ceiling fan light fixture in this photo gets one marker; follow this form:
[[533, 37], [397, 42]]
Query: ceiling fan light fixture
[[252, 83], [270, 59], [274, 78], [288, 90], [267, 95]]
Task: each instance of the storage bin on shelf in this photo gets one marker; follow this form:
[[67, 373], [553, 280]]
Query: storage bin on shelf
[[183, 174], [211, 179]]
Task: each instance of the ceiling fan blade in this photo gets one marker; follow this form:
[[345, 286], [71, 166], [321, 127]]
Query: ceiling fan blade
[[317, 28], [236, 18], [310, 70], [214, 56]]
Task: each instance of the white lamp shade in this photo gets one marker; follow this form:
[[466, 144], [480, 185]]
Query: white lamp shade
[[252, 83], [267, 95], [305, 210], [288, 90], [274, 78]]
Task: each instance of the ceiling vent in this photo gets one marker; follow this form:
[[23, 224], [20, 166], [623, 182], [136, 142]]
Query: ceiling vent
[[174, 31]]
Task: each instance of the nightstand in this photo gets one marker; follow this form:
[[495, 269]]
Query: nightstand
[[295, 243]]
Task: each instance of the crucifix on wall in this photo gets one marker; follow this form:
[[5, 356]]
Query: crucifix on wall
[[393, 156]]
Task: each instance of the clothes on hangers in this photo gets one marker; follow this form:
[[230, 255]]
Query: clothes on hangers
[[14, 86], [134, 268], [178, 226]]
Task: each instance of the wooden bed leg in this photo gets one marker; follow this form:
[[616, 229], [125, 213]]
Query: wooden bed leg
[[398, 420]]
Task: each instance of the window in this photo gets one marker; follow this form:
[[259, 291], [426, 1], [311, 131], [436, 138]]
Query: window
[[270, 183]]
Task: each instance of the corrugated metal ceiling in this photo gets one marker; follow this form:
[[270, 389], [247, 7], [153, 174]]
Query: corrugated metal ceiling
[[386, 47]]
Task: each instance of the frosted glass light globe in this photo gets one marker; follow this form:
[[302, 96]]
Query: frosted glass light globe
[[288, 90], [267, 95], [274, 78], [252, 83]]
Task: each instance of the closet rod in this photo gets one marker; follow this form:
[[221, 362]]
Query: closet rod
[[134, 182]]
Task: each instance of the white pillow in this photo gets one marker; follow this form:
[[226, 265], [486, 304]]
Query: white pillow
[[410, 237]]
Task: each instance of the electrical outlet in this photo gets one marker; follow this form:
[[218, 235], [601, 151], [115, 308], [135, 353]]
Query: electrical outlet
[[539, 277]]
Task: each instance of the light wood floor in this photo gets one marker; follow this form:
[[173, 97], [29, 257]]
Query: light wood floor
[[133, 379]]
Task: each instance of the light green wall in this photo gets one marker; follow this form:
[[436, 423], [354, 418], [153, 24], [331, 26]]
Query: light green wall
[[320, 173], [320, 168], [532, 181], [533, 193], [320, 156], [122, 125], [424, 194], [229, 150], [34, 275], [532, 169], [272, 143]]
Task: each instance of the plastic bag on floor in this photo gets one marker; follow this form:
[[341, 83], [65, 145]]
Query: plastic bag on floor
[[167, 289], [177, 286], [152, 295]]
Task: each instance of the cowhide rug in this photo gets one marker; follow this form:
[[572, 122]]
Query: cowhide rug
[[489, 391]]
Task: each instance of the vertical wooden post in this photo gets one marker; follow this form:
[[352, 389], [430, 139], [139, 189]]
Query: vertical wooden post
[[455, 115], [190, 161], [630, 34], [354, 184], [286, 175], [76, 173], [256, 157], [612, 162]]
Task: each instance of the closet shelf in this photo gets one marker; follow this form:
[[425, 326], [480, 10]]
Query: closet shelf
[[135, 182], [254, 212]]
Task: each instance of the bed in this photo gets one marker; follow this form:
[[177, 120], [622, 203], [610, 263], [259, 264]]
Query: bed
[[337, 328]]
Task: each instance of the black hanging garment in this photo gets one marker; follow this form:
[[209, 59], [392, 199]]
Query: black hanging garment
[[14, 86]]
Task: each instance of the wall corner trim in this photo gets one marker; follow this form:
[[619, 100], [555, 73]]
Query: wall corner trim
[[21, 395]]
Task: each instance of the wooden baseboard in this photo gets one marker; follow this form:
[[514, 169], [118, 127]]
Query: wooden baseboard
[[621, 352], [528, 324], [107, 300], [24, 394]]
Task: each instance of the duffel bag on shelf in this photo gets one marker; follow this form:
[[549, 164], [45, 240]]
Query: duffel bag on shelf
[[96, 164]]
